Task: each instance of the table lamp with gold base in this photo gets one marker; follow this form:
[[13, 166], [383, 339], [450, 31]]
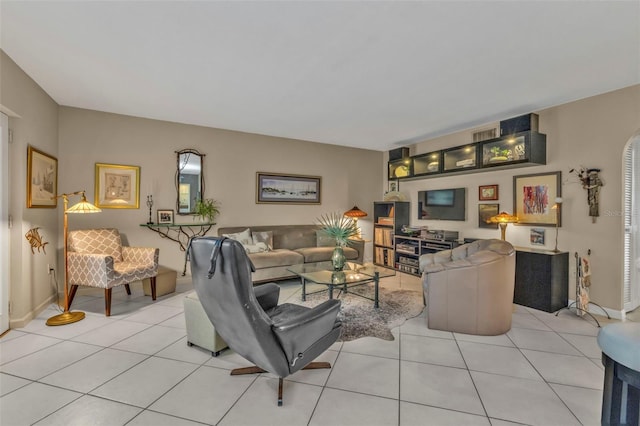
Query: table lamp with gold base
[[68, 317], [503, 219]]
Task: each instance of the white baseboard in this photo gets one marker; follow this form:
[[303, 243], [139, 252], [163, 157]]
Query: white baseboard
[[24, 320]]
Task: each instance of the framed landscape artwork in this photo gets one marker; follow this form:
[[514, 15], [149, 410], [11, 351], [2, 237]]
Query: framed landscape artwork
[[274, 188], [534, 197], [42, 179], [117, 186]]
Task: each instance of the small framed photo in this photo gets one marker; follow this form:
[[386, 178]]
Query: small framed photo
[[485, 211], [165, 217], [117, 186], [487, 192], [393, 186], [42, 179], [536, 236]]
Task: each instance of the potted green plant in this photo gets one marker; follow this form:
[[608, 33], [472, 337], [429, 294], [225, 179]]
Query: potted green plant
[[206, 209], [500, 154], [341, 228]]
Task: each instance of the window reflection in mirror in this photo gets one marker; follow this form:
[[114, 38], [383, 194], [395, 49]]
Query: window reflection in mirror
[[189, 180]]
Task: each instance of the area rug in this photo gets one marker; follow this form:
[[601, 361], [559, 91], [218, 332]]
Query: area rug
[[359, 317]]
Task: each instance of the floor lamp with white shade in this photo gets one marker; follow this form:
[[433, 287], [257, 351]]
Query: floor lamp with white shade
[[83, 206]]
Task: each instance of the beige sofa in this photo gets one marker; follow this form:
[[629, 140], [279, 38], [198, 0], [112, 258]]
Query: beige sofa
[[289, 245], [469, 289]]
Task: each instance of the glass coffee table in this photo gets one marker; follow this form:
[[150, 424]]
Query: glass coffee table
[[353, 275]]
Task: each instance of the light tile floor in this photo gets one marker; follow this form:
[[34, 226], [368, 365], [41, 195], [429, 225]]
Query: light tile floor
[[135, 368]]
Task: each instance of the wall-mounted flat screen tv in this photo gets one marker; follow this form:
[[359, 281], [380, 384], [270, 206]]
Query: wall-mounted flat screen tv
[[442, 204], [440, 197]]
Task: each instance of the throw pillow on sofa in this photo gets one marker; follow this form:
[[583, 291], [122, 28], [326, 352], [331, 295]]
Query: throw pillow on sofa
[[265, 237], [244, 237]]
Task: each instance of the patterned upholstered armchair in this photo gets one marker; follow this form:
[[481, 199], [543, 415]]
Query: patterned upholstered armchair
[[97, 258]]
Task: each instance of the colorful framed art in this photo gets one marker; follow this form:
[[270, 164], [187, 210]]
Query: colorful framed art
[[534, 197]]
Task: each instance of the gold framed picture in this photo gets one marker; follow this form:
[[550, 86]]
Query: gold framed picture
[[117, 186], [42, 179]]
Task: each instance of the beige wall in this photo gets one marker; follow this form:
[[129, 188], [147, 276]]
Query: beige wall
[[349, 176], [592, 133], [31, 288]]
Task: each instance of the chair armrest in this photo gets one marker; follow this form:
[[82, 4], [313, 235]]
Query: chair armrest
[[299, 332], [267, 295], [94, 270], [141, 255]]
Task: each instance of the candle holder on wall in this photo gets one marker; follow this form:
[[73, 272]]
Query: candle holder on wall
[[150, 205]]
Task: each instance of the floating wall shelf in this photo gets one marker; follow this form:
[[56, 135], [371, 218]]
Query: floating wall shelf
[[518, 150]]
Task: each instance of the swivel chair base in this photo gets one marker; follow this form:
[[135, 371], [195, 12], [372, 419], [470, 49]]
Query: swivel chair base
[[255, 369]]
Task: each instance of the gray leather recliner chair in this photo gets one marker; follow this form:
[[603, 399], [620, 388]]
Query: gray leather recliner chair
[[279, 339]]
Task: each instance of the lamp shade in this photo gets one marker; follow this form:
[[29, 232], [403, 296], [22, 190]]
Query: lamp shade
[[355, 212], [503, 217], [83, 206]]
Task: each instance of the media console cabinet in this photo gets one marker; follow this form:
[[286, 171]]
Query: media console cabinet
[[409, 249]]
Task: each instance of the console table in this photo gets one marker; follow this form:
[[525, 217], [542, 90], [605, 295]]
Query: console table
[[181, 233], [542, 279]]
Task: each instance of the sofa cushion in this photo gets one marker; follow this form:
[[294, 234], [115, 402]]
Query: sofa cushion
[[277, 257], [256, 248], [324, 240], [295, 237], [322, 254], [265, 237]]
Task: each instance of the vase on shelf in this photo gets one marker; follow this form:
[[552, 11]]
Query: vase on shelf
[[338, 258]]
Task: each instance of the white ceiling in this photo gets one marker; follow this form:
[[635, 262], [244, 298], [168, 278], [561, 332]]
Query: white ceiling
[[365, 74]]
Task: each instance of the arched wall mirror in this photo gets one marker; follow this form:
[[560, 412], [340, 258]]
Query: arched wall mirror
[[189, 180]]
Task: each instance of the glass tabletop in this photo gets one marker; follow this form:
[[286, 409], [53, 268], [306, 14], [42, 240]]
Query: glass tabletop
[[323, 273]]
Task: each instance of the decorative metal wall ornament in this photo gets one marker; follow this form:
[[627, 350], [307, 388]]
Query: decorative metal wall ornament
[[35, 239], [591, 181]]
